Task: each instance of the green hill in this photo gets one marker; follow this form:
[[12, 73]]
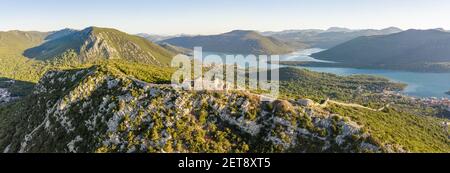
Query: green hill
[[320, 86], [241, 42], [415, 50], [12, 63], [102, 109], [94, 43], [26, 56], [15, 42]]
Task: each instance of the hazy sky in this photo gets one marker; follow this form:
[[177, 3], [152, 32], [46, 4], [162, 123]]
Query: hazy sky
[[217, 16]]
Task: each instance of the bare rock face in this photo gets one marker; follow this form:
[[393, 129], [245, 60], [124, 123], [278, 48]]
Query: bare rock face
[[101, 45], [5, 96], [97, 46]]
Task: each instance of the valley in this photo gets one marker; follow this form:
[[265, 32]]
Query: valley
[[103, 90], [131, 116]]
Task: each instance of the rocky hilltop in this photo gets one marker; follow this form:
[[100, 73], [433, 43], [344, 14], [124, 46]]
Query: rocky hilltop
[[101, 110], [5, 96]]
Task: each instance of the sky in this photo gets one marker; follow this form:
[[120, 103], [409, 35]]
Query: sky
[[169, 17]]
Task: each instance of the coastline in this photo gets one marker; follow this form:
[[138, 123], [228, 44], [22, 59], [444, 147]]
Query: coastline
[[341, 65]]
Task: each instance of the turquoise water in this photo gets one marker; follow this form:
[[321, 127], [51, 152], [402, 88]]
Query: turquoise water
[[419, 84]]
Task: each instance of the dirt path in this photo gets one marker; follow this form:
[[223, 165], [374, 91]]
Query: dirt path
[[325, 104]]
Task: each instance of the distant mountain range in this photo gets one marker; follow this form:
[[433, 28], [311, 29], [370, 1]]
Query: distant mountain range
[[246, 42], [177, 50], [154, 37], [416, 50], [238, 41], [316, 38]]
